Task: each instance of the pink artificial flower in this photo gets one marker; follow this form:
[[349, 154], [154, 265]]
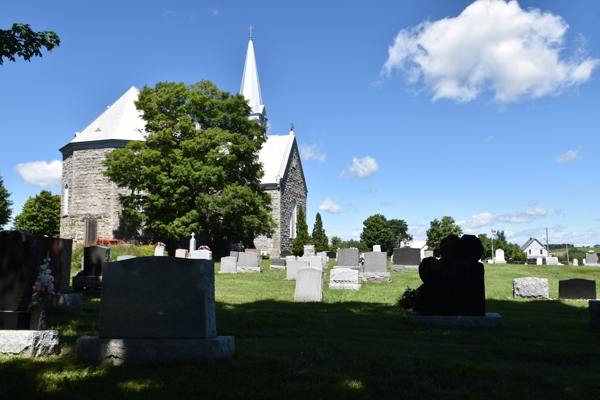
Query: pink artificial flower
[[37, 288], [50, 286], [46, 284], [34, 295]]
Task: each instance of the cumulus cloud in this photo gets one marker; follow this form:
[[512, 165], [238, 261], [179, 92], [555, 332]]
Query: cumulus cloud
[[331, 206], [361, 168], [485, 219], [370, 190], [532, 203], [311, 152], [491, 46], [41, 173], [570, 155]]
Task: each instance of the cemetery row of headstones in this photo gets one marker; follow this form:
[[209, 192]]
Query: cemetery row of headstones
[[537, 288]]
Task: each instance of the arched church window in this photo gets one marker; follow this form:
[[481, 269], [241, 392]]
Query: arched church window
[[66, 208]]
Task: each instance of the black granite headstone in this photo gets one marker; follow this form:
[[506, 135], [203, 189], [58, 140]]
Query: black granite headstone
[[407, 256], [286, 253], [60, 260], [278, 261], [453, 285], [93, 258], [331, 255], [19, 263], [577, 288]]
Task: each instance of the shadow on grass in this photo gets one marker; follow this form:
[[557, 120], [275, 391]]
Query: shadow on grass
[[348, 350]]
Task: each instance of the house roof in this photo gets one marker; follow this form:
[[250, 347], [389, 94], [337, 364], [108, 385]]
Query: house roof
[[274, 156], [529, 242], [418, 244]]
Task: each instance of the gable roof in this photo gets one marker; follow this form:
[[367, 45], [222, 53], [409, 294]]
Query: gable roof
[[529, 242], [418, 244], [274, 156]]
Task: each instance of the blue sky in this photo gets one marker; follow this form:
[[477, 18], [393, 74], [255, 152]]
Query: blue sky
[[486, 112]]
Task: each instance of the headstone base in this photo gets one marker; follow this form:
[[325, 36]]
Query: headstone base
[[355, 267], [249, 270], [30, 343], [398, 268], [344, 286], [376, 276], [68, 303], [277, 267], [103, 351], [89, 282], [228, 272], [491, 320], [594, 309]]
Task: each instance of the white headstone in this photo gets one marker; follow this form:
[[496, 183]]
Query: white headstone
[[200, 254], [376, 247], [159, 250], [316, 261], [500, 257], [181, 253], [575, 262], [323, 255], [551, 260], [293, 266], [290, 258], [344, 278], [193, 242], [530, 288], [310, 284], [309, 250], [228, 265]]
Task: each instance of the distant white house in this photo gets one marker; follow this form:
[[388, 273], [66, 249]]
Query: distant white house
[[421, 245], [533, 248]]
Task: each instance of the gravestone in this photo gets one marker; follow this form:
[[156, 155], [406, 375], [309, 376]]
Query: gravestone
[[375, 268], [551, 260], [331, 254], [277, 264], [428, 253], [125, 257], [376, 247], [159, 250], [315, 261], [344, 278], [192, 243], [200, 254], [539, 261], [290, 258], [594, 311], [235, 254], [323, 255], [90, 276], [157, 309], [309, 250], [348, 258], [575, 262], [500, 257], [293, 266], [530, 288], [228, 265], [249, 263], [274, 253], [591, 259], [286, 253], [60, 251], [180, 253], [577, 288], [406, 258], [255, 251], [310, 284]]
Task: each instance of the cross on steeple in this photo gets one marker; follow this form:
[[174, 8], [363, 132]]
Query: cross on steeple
[[251, 27]]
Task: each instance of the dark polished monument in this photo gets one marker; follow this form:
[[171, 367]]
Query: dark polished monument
[[90, 276]]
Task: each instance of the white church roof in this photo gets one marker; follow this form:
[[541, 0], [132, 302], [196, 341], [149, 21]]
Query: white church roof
[[250, 87], [121, 121], [274, 156]]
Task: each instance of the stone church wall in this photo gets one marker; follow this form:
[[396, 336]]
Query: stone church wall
[[292, 188], [91, 195], [263, 242]]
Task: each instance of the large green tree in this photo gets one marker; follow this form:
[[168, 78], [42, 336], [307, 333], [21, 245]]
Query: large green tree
[[40, 215], [336, 243], [400, 228], [21, 41], [198, 171], [376, 230], [319, 238], [438, 230], [302, 237], [5, 204]]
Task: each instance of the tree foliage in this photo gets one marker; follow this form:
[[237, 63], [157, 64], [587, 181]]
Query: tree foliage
[[319, 238], [376, 230], [438, 230], [198, 171], [21, 41], [302, 237], [336, 243], [511, 250], [5, 204], [400, 228], [40, 215]]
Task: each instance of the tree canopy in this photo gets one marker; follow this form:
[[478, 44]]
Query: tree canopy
[[302, 237], [5, 204], [400, 228], [376, 230], [40, 215], [21, 41], [198, 171], [438, 230], [319, 238]]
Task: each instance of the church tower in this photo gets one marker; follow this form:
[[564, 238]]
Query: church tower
[[250, 88]]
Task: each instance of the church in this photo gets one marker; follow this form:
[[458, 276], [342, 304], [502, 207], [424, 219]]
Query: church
[[90, 209]]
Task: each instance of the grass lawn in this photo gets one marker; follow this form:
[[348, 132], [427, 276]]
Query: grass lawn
[[354, 345]]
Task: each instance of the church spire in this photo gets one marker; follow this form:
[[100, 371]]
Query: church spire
[[250, 87]]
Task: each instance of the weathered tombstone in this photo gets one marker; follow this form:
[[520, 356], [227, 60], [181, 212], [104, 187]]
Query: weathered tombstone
[[179, 253], [428, 253], [309, 250], [551, 260], [575, 262], [591, 259], [376, 247], [290, 258], [406, 258], [530, 288], [249, 263], [577, 288], [277, 264], [323, 255], [539, 261], [348, 258], [200, 254], [228, 265], [157, 309], [310, 284], [376, 267], [286, 253], [235, 254], [125, 257], [274, 252], [500, 257], [293, 266], [594, 310], [344, 278], [331, 254], [91, 275]]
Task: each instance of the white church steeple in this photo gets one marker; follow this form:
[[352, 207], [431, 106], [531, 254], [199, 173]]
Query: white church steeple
[[250, 87]]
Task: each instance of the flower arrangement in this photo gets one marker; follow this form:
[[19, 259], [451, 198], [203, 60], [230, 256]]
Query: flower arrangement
[[361, 258], [43, 290], [161, 244], [203, 248], [408, 241], [409, 299]]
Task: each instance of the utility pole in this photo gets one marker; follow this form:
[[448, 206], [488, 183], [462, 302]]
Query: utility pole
[[547, 247], [567, 253]]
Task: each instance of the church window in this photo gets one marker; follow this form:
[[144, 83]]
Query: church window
[[293, 221], [529, 251], [540, 251], [66, 200]]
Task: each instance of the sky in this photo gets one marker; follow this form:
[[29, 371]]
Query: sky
[[484, 111]]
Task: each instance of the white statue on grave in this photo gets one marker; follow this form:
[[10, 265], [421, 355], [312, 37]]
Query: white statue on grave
[[192, 242]]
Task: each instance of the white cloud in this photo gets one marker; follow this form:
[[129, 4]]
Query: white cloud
[[331, 206], [533, 203], [491, 46], [311, 152], [570, 155], [214, 11], [361, 168], [370, 190], [485, 219], [41, 173]]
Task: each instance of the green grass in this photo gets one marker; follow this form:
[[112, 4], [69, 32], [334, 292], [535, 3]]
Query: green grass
[[355, 345]]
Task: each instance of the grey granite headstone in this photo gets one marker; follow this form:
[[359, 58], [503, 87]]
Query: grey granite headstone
[[121, 258], [344, 278], [577, 288], [591, 259], [278, 261], [348, 258], [408, 257], [228, 265], [332, 255], [200, 254], [293, 266], [376, 262], [93, 259], [234, 254], [310, 284], [428, 253], [285, 253], [248, 260], [530, 288]]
